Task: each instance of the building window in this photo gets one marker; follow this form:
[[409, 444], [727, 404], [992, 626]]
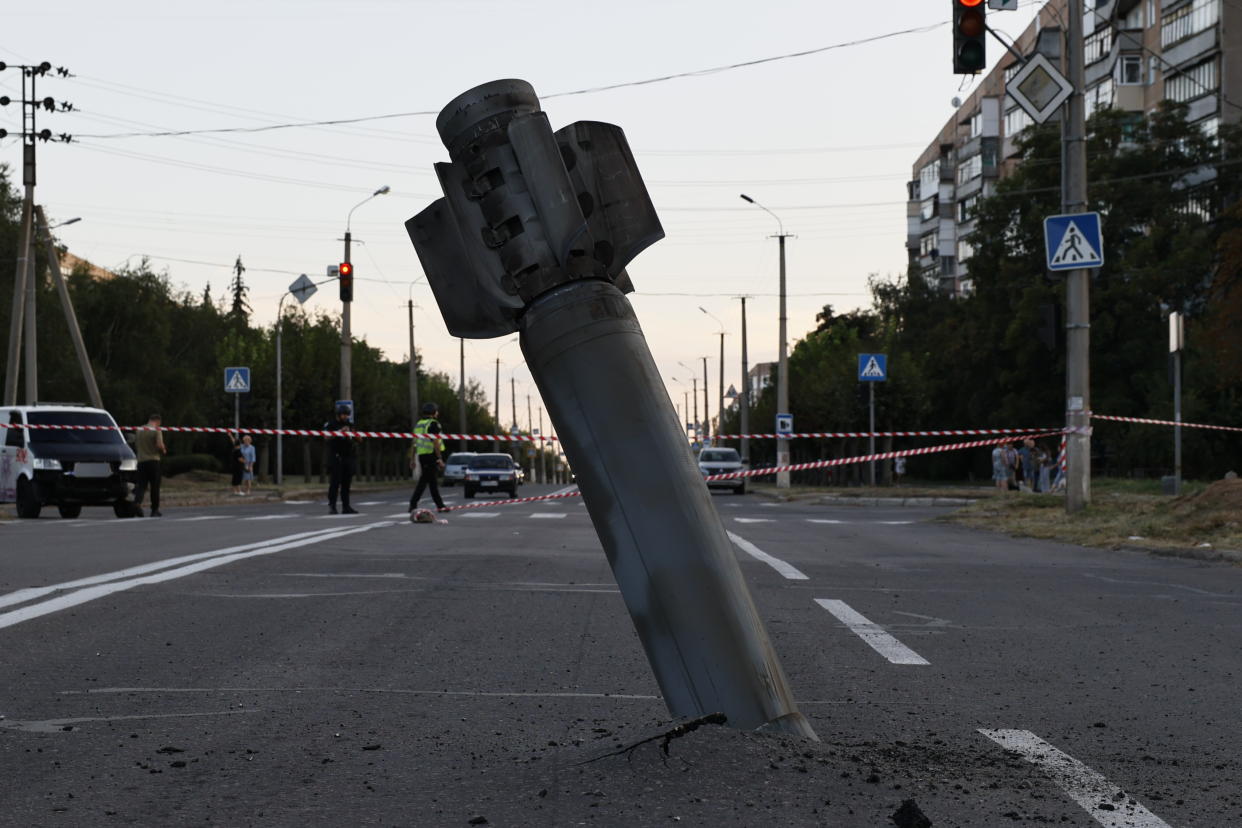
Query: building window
[[1130, 70], [966, 208], [965, 250], [929, 178], [976, 124], [1188, 20], [927, 209], [1099, 96], [929, 245], [1097, 46], [969, 169], [1210, 127], [1191, 83], [1016, 120]]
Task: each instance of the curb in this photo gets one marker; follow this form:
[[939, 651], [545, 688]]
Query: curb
[[1193, 553], [845, 500]]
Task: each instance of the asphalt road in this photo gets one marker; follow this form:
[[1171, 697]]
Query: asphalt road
[[260, 664]]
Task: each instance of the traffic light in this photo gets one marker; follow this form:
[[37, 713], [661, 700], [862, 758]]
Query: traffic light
[[969, 32], [347, 282]]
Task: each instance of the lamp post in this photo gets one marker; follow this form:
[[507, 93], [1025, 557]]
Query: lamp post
[[346, 338], [496, 403], [744, 402], [721, 398], [782, 369], [302, 293]]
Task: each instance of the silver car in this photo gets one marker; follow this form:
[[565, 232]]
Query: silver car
[[722, 461], [455, 467]]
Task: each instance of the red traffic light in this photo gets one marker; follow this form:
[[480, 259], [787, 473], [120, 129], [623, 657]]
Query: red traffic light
[[970, 3], [346, 269]]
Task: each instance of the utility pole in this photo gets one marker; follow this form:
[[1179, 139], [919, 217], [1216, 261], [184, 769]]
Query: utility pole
[[513, 423], [744, 401], [530, 426], [26, 283], [694, 396], [1078, 283], [543, 454], [71, 318], [496, 408], [782, 377], [720, 388], [347, 386], [707, 417], [413, 373], [461, 394]]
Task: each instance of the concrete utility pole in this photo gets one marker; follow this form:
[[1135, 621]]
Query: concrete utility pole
[[461, 395], [744, 401], [707, 417], [413, 373], [782, 365], [1078, 283], [26, 283], [496, 407], [585, 214], [513, 423], [66, 303], [530, 427], [721, 398], [543, 454]]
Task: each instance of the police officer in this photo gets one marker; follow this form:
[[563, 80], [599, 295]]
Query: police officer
[[427, 453], [344, 460]]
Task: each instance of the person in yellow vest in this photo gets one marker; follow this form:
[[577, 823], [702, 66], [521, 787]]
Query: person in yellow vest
[[149, 446], [427, 452]]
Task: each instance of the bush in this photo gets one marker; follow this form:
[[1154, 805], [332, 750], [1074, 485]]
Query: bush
[[173, 466]]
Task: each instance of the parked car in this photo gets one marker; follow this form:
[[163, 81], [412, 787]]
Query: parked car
[[722, 461], [64, 468], [491, 472], [455, 467]]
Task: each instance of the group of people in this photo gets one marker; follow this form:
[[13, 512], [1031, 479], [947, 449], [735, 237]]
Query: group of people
[[1026, 466], [426, 453]]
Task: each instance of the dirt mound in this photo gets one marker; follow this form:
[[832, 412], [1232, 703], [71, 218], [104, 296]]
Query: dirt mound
[[1217, 506]]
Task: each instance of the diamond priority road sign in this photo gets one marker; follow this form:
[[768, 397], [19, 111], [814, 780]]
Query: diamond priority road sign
[[1073, 241], [1039, 88], [302, 288]]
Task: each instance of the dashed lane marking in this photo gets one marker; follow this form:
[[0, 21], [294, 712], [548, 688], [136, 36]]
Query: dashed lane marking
[[786, 570], [1107, 804], [872, 633], [480, 514], [752, 520], [824, 520], [548, 515], [271, 517], [205, 517]]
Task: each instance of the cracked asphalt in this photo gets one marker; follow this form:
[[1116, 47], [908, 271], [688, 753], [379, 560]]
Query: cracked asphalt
[[267, 664]]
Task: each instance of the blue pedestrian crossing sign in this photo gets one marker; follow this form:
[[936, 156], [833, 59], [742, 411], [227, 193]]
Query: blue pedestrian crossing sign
[[872, 367], [1073, 241], [237, 380]]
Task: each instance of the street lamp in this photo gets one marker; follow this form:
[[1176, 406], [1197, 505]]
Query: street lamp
[[346, 340], [503, 345], [720, 403], [65, 223], [782, 372]]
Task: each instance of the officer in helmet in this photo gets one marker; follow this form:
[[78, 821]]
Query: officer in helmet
[[427, 453], [344, 448]]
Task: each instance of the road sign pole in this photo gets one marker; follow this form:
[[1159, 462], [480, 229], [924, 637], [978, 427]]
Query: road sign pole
[[871, 439], [1077, 288], [236, 412]]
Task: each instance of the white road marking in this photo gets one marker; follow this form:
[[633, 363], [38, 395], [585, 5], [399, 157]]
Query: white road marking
[[770, 505], [1105, 802], [894, 522], [824, 520], [298, 502], [753, 520], [872, 633], [338, 517], [382, 690], [398, 515], [21, 596], [272, 517], [65, 725], [547, 515], [566, 490], [372, 503], [758, 554], [206, 560], [480, 514]]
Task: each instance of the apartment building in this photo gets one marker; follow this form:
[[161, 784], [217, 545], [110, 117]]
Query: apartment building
[[1137, 53]]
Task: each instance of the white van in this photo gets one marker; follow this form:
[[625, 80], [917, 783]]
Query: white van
[[66, 468]]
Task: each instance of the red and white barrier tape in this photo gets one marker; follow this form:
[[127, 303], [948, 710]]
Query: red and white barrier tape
[[288, 432], [818, 464], [948, 432], [1146, 421]]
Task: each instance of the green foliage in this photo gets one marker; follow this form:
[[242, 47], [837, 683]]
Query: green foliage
[[181, 463]]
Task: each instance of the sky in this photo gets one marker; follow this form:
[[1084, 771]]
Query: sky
[[824, 140]]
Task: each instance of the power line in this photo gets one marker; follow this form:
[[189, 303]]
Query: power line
[[585, 91]]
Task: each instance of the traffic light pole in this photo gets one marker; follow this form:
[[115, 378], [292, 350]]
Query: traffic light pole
[[544, 254], [346, 337], [1078, 283]]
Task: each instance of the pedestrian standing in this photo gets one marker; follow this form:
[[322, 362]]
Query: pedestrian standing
[[1011, 460], [899, 470], [149, 446], [1000, 468], [1044, 460], [428, 454], [344, 450], [247, 453], [237, 464], [1026, 458]]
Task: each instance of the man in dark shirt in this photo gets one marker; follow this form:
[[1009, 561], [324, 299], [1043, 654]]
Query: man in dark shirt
[[344, 460]]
